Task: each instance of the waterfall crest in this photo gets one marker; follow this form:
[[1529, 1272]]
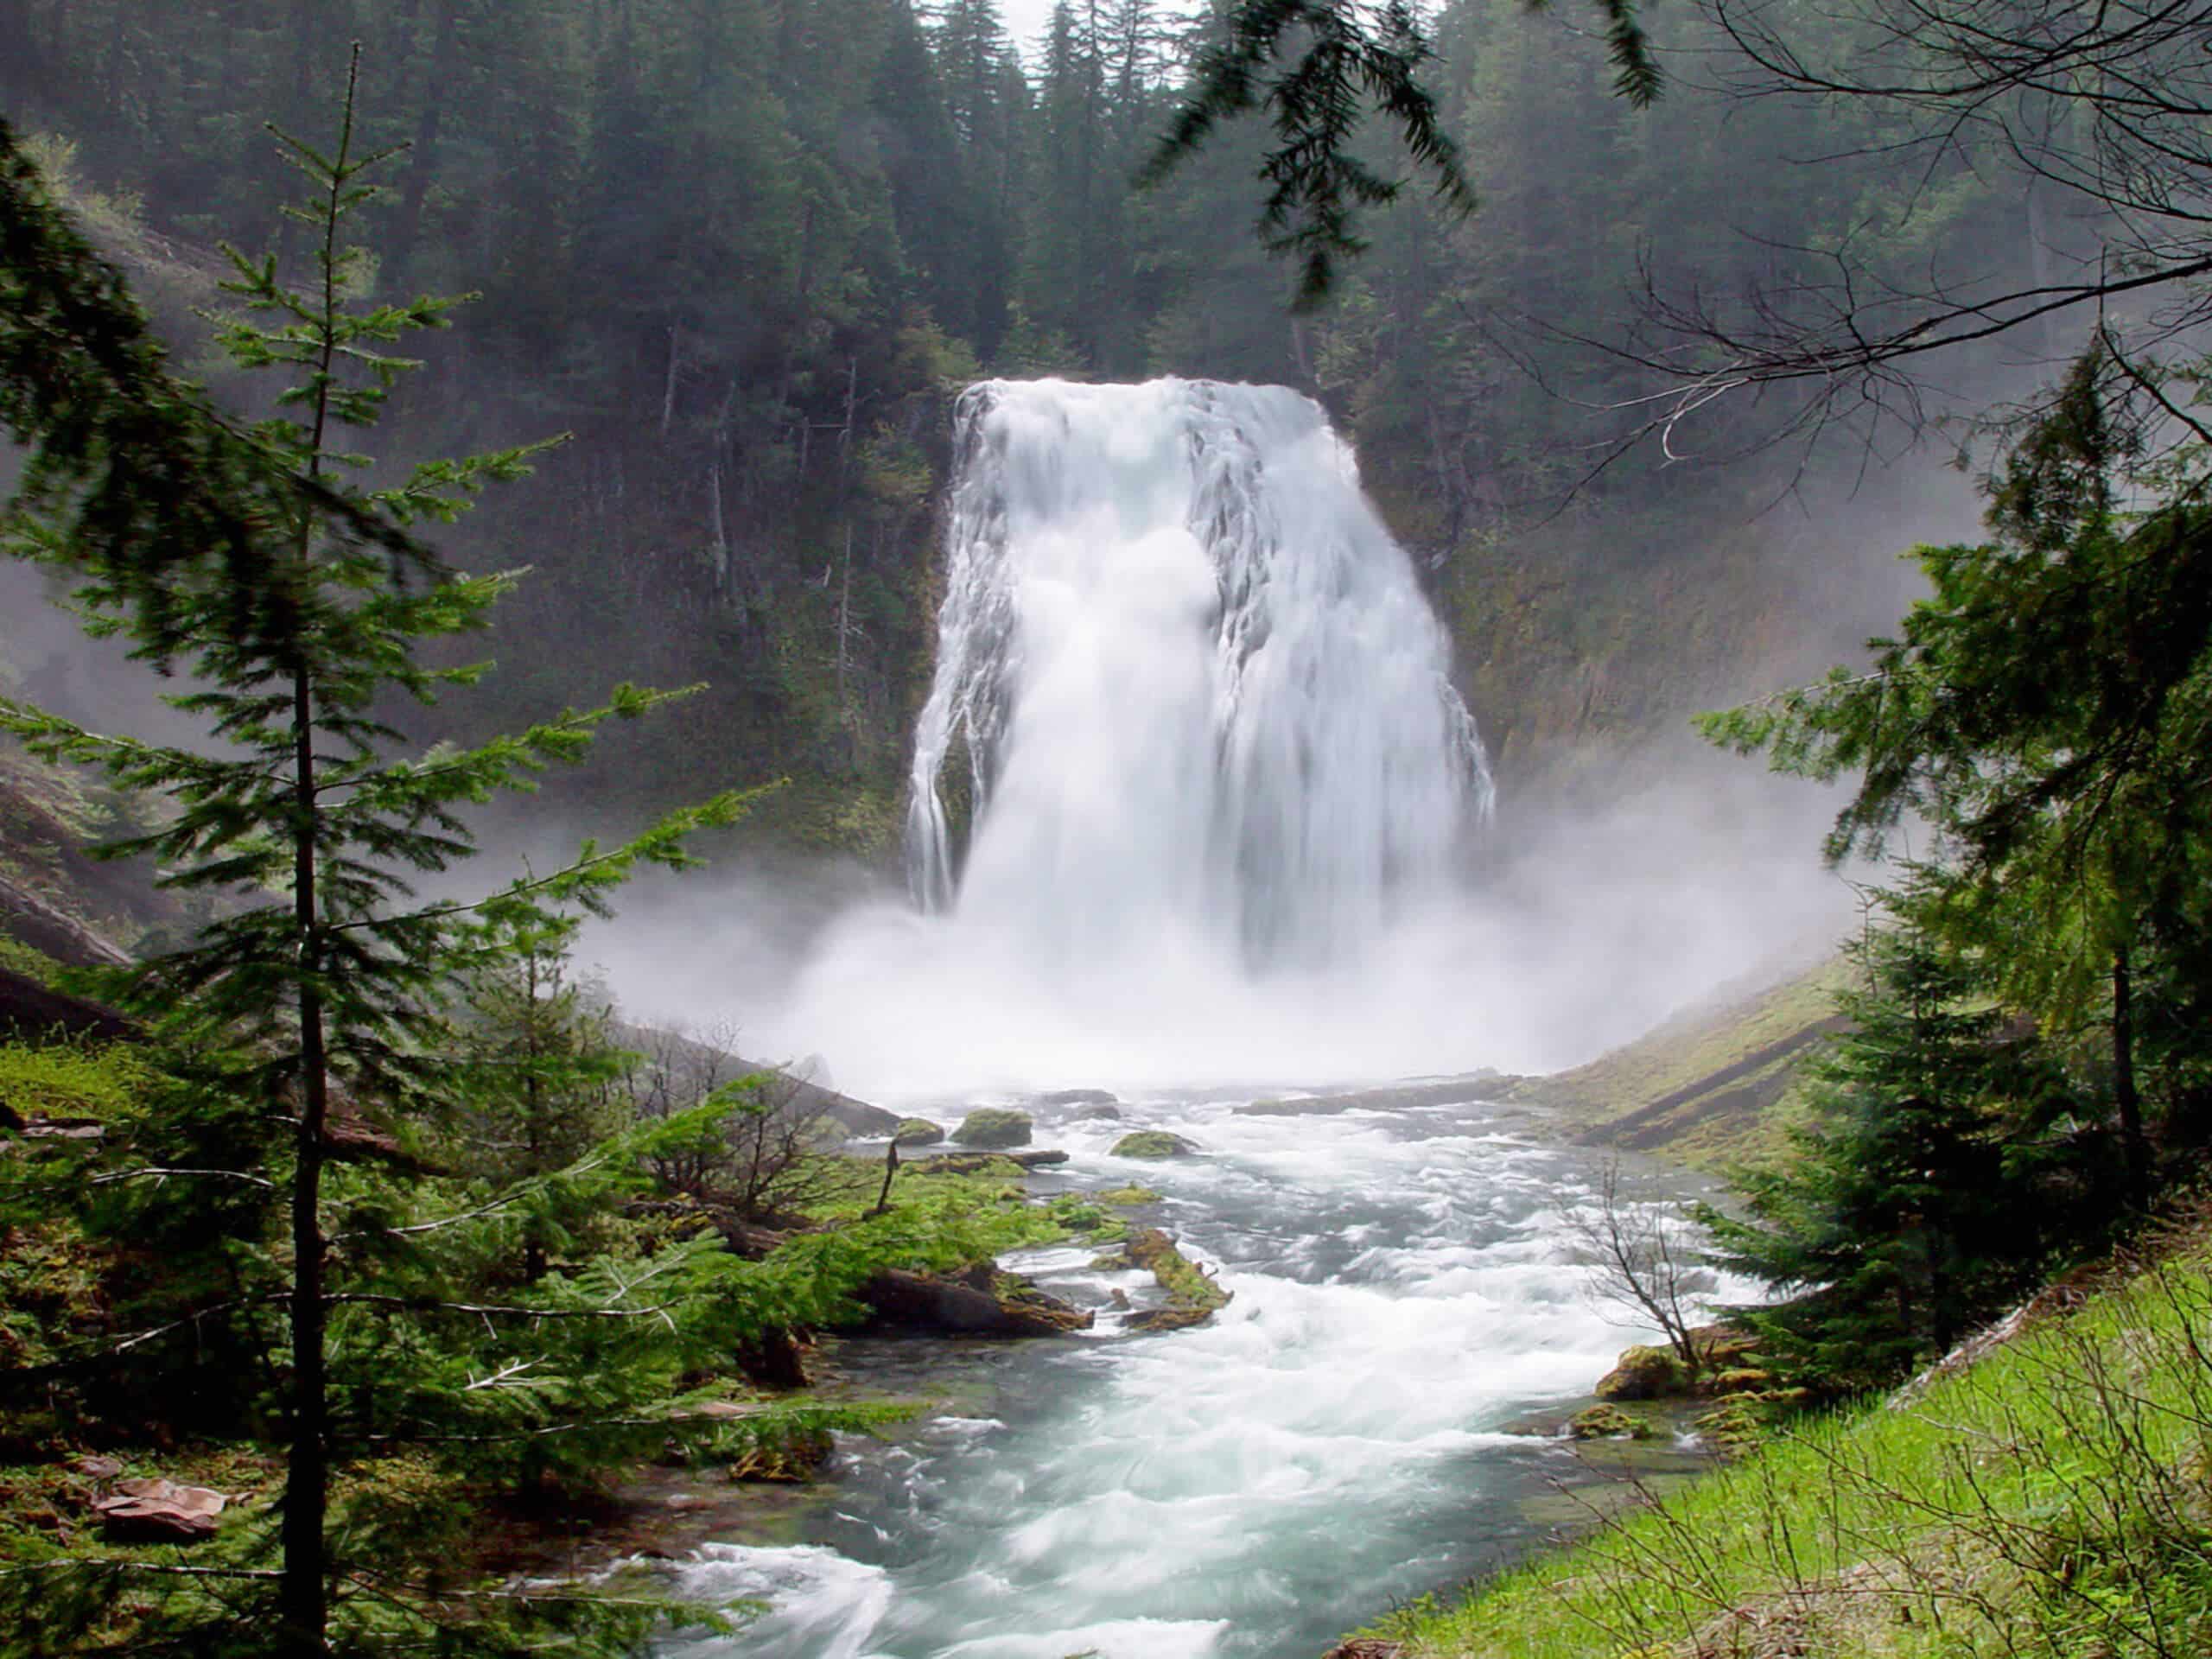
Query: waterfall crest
[[1185, 675]]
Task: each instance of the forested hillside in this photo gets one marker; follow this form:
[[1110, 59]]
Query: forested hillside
[[743, 248]]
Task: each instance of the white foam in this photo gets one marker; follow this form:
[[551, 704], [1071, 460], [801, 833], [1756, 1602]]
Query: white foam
[[823, 1605]]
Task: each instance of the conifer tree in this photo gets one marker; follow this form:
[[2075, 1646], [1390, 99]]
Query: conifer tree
[[2047, 711], [1923, 1191], [308, 1031], [542, 1076]]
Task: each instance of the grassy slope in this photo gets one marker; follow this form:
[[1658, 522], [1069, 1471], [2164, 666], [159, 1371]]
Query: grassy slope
[[1709, 1087], [2051, 1499]]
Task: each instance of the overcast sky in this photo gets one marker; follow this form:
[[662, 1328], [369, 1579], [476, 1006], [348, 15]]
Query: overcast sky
[[1026, 19]]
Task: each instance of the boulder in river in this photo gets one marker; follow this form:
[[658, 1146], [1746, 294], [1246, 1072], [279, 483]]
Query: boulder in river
[[1192, 1296], [1079, 1097], [995, 1126], [1102, 1113], [980, 1302], [974, 1163], [159, 1511], [1154, 1144], [1604, 1422], [916, 1132], [1642, 1374]]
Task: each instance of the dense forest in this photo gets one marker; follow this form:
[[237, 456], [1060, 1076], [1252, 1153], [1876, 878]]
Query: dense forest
[[328, 1174], [742, 251]]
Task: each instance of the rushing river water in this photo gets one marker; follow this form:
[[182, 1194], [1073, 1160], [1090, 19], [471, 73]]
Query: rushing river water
[[1332, 1442]]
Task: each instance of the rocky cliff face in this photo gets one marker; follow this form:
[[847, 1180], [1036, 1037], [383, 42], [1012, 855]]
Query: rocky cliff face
[[1586, 639]]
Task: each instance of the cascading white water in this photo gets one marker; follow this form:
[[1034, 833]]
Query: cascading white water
[[1194, 679]]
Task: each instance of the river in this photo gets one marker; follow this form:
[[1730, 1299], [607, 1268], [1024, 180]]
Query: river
[[1334, 1442]]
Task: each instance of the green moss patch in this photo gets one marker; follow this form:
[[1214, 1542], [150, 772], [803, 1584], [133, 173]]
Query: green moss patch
[[1154, 1144], [1192, 1296], [994, 1128], [99, 1084]]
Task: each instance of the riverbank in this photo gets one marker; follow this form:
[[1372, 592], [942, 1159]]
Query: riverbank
[[2043, 1493]]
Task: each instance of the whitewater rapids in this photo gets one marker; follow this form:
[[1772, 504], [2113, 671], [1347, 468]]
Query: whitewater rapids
[[1332, 1442]]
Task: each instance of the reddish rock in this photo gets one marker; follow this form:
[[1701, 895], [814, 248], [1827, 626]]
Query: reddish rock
[[160, 1512]]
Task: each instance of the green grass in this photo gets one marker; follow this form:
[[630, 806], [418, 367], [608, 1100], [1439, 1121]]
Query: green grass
[[73, 1080], [32, 964], [2053, 1502], [1733, 1119]]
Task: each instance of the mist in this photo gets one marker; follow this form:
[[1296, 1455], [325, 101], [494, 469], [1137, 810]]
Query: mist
[[1235, 825], [1608, 923]]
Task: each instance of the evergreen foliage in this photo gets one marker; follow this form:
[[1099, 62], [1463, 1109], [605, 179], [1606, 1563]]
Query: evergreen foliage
[[289, 1174], [743, 248], [2045, 710], [2043, 713], [1932, 1182]]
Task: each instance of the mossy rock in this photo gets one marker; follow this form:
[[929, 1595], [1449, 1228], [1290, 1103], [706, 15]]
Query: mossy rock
[[1610, 1423], [1642, 1374], [1736, 1424], [790, 1459], [1192, 1296], [1129, 1195], [1087, 1219], [916, 1132], [1743, 1380], [995, 1126], [1154, 1144]]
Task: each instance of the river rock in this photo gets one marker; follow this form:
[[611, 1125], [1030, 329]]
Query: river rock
[[980, 1302], [159, 1511], [917, 1132], [969, 1163], [1080, 1097], [995, 1126], [1452, 1091], [1726, 1365], [1641, 1374], [1154, 1144], [1603, 1422], [1192, 1296], [1099, 1114]]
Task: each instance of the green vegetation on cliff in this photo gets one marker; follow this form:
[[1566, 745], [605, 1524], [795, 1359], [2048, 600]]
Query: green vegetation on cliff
[[1710, 1088]]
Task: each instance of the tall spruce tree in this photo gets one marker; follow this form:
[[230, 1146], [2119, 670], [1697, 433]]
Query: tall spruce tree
[[306, 1028], [1924, 1189]]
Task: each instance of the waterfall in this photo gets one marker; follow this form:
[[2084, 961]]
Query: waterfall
[[1184, 677]]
